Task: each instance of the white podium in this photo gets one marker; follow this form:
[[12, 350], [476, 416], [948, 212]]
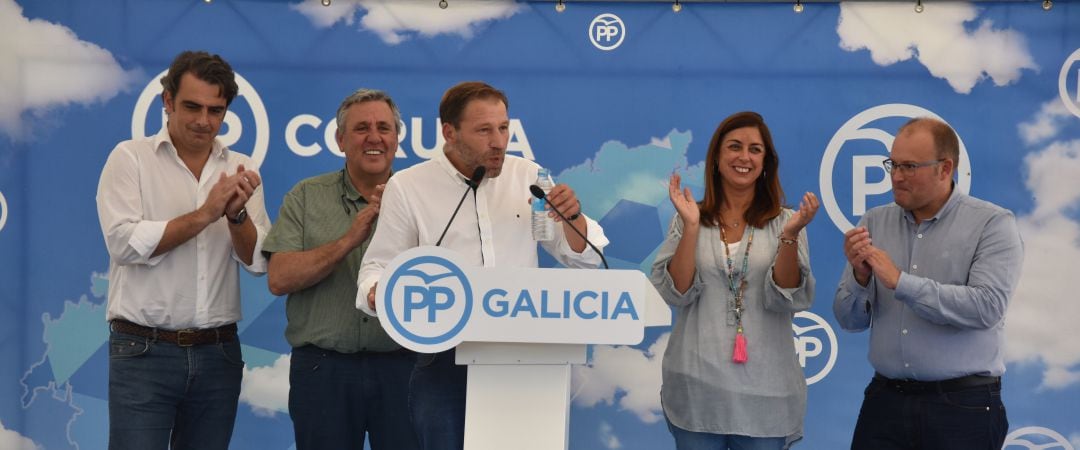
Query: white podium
[[518, 330]]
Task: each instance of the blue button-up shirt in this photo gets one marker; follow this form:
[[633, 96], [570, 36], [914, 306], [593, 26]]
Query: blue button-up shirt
[[958, 271]]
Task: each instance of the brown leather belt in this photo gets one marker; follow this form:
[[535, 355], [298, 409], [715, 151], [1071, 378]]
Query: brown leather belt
[[950, 385], [183, 338]]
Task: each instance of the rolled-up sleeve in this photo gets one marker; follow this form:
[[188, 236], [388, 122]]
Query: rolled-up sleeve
[[798, 298], [661, 278], [559, 248], [256, 207], [128, 237]]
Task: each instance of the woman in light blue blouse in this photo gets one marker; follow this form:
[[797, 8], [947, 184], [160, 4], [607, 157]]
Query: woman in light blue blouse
[[736, 267]]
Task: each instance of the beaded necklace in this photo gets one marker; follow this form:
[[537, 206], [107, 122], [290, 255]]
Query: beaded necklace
[[737, 286]]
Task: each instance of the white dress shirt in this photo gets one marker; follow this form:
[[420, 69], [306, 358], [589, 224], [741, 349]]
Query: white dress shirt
[[143, 186], [494, 228]]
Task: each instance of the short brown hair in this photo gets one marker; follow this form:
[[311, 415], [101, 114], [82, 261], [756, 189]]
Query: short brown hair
[[946, 143], [456, 98], [768, 195], [209, 68]]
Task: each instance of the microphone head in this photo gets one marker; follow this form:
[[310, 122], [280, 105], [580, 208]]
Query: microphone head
[[478, 175], [537, 192]]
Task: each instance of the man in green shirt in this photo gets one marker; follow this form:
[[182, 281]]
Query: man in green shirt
[[347, 377]]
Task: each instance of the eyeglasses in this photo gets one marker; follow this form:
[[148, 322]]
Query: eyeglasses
[[907, 168]]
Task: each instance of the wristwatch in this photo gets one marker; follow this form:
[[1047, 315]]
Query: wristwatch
[[240, 217]]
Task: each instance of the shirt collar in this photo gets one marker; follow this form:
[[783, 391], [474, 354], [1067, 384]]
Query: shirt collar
[[443, 162], [163, 137], [948, 206], [348, 190]]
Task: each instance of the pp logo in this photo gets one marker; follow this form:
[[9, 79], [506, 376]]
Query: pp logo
[[3, 211], [1070, 74], [871, 146], [234, 128], [428, 300], [605, 29], [1036, 438], [813, 336]]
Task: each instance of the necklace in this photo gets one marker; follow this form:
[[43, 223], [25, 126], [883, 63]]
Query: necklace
[[737, 286]]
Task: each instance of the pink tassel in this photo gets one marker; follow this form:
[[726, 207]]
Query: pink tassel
[[740, 349]]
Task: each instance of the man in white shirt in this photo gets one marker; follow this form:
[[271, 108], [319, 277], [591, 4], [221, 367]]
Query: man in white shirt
[[180, 213], [494, 229]]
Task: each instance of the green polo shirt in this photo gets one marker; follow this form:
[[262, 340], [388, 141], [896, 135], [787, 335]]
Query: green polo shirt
[[316, 211]]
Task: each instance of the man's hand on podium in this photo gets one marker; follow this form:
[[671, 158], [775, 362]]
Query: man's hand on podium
[[371, 296]]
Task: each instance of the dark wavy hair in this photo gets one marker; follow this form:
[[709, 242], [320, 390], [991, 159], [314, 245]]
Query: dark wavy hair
[[768, 195], [209, 68]]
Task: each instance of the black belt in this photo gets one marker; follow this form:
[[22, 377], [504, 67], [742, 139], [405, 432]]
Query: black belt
[[183, 338], [950, 385]]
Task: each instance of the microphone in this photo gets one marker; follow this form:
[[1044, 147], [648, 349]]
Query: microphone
[[473, 182], [540, 194]]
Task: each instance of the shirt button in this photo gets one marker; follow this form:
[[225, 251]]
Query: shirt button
[[904, 331], [920, 235], [907, 365], [914, 266]]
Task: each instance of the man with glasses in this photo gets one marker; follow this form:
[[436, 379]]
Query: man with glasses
[[933, 274], [347, 376]]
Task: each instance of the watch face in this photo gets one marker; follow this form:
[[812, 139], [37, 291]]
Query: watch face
[[240, 216]]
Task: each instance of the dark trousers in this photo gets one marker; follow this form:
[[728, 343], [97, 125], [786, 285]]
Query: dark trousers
[[964, 419], [337, 398], [163, 396], [437, 401]]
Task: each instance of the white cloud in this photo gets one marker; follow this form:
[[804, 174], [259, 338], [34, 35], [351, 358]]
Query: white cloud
[[662, 143], [624, 376], [1048, 122], [894, 32], [45, 65], [395, 21], [607, 436], [11, 440], [266, 388], [1040, 325]]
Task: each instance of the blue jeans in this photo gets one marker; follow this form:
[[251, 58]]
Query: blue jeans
[[693, 440], [335, 398], [971, 418], [163, 396], [437, 401]]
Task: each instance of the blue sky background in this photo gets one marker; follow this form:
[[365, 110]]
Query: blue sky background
[[596, 118]]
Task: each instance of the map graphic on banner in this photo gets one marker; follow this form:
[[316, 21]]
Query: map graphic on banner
[[613, 97]]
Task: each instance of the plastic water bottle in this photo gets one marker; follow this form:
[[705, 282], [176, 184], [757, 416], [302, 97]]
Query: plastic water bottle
[[543, 227]]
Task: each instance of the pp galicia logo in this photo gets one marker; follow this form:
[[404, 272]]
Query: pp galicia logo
[[868, 146], [815, 344], [1070, 77], [428, 302], [428, 311], [1036, 438], [607, 31], [233, 137]]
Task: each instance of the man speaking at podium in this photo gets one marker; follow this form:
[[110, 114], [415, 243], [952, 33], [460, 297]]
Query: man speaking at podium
[[494, 229]]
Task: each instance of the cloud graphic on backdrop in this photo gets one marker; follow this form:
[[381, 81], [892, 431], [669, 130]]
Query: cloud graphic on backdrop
[[607, 436], [624, 376], [36, 66], [1040, 324], [266, 388], [11, 440], [395, 21], [1047, 124], [938, 38]]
